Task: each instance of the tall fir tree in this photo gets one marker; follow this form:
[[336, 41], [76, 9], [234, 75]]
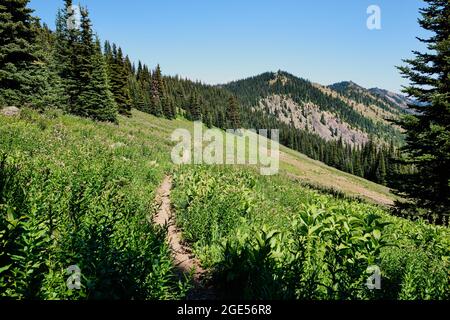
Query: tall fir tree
[[428, 131], [22, 70], [380, 171], [97, 100], [67, 52], [50, 92], [232, 115], [119, 80], [157, 92], [82, 67], [194, 108]]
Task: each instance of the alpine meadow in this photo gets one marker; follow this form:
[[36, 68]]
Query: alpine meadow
[[94, 205]]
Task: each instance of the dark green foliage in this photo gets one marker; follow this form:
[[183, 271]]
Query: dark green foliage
[[233, 118], [169, 109], [119, 80], [67, 48], [157, 92], [82, 68], [194, 109], [96, 100], [49, 93], [322, 119], [428, 131], [25, 73]]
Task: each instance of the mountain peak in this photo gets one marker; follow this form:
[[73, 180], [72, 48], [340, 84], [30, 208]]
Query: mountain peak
[[280, 76], [346, 85]]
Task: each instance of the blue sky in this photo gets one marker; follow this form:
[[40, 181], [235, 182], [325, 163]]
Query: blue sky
[[217, 41]]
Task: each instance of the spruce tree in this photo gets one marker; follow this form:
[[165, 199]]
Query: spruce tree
[[169, 108], [22, 70], [45, 90], [157, 92], [97, 101], [380, 171], [82, 68], [67, 53], [232, 115], [118, 78], [428, 131], [194, 108]]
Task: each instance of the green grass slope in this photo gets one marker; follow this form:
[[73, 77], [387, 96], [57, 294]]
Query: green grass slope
[[77, 192]]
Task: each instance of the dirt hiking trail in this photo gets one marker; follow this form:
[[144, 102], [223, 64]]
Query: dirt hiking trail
[[184, 260]]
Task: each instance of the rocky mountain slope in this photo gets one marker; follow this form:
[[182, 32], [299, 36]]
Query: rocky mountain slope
[[343, 110]]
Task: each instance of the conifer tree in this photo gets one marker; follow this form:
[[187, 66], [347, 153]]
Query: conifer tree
[[67, 52], [169, 108], [21, 69], [137, 99], [380, 171], [194, 108], [428, 131], [118, 78], [207, 117], [157, 92], [232, 115], [50, 93], [97, 101], [82, 67]]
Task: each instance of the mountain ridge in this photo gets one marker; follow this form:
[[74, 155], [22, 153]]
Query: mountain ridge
[[344, 110]]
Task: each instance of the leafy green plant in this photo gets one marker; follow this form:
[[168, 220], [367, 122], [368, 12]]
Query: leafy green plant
[[297, 243]]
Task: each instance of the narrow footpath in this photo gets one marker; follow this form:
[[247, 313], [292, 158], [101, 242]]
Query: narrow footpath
[[184, 260]]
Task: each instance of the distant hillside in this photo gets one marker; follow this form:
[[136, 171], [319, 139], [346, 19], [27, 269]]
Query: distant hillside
[[384, 99], [343, 111], [400, 100]]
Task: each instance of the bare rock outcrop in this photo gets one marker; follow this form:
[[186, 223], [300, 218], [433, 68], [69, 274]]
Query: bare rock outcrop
[[10, 111]]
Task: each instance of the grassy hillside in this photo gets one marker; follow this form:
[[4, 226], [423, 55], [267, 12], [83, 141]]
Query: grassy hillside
[[77, 192], [298, 166]]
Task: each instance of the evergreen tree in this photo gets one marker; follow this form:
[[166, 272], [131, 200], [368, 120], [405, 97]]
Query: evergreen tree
[[380, 172], [50, 91], [82, 68], [169, 108], [97, 101], [194, 108], [118, 78], [322, 120], [428, 131], [233, 114], [21, 69], [67, 52], [157, 92], [207, 117]]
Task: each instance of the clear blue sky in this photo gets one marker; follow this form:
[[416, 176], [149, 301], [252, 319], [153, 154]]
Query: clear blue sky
[[217, 41]]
